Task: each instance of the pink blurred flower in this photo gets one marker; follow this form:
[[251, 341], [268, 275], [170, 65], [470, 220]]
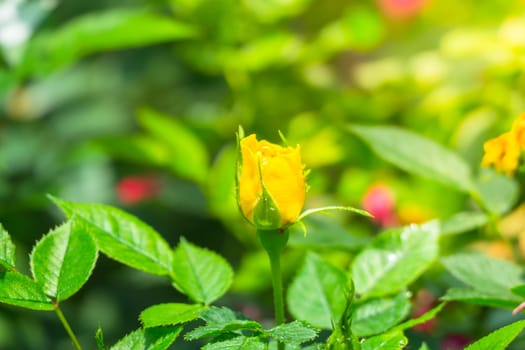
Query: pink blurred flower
[[424, 302], [135, 189], [455, 341], [401, 9], [379, 201]]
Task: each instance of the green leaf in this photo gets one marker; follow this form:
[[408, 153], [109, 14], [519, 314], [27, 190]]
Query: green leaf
[[430, 314], [361, 29], [492, 277], [221, 185], [63, 260], [7, 250], [170, 314], [328, 234], [273, 49], [499, 339], [376, 316], [99, 338], [139, 149], [492, 299], [238, 343], [19, 290], [519, 290], [317, 293], [388, 341], [115, 29], [394, 260], [159, 338], [188, 155], [498, 192], [342, 337], [220, 321], [123, 237], [462, 222], [296, 332], [199, 273], [417, 155], [424, 346]]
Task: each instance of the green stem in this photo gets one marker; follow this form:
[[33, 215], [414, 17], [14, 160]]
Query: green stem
[[274, 241], [277, 285], [67, 327]]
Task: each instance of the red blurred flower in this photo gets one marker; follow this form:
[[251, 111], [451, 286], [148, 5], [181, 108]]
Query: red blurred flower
[[401, 9], [455, 341], [379, 201], [135, 189]]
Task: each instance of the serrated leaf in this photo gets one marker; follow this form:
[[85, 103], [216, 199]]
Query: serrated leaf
[[123, 237], [220, 321], [199, 273], [7, 250], [376, 316], [238, 343], [158, 338], [388, 341], [394, 260], [115, 29], [215, 330], [170, 314], [500, 338], [486, 275], [188, 155], [317, 293], [296, 332], [220, 315], [62, 261], [430, 314], [19, 290], [417, 155]]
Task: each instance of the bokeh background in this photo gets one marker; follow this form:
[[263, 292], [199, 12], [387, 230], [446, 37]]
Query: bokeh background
[[136, 104]]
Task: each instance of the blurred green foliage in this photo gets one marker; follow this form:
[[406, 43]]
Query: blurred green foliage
[[92, 93]]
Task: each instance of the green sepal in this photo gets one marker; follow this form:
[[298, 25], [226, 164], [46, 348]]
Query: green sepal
[[238, 168], [266, 214]]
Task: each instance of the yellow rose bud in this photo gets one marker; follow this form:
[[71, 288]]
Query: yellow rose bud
[[271, 184]]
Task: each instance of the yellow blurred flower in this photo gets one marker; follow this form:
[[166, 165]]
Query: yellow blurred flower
[[518, 128], [504, 151], [271, 187]]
